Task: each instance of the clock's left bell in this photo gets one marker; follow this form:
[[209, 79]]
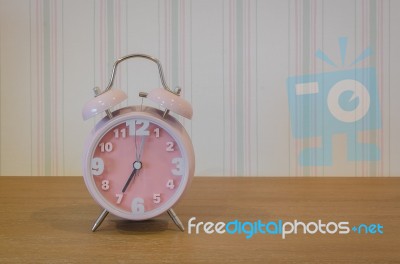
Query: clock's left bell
[[103, 102]]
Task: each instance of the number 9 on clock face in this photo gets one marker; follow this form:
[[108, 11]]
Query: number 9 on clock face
[[138, 166]]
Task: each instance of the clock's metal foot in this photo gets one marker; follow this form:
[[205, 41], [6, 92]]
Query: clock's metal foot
[[99, 220], [176, 220]]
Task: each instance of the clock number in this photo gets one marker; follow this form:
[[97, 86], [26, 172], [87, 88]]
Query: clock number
[[105, 185], [119, 197], [97, 166], [170, 184], [178, 170], [137, 206], [141, 130], [108, 146], [120, 133], [156, 198], [170, 146], [157, 132]]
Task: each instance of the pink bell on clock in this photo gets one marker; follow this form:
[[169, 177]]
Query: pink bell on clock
[[170, 101], [102, 102]]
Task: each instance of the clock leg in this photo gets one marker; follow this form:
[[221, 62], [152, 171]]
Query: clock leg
[[99, 220], [176, 219]]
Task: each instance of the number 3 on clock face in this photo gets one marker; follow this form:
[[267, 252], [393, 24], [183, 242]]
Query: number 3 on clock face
[[138, 167]]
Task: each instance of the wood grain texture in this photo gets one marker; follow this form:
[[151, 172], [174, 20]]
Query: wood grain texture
[[48, 220]]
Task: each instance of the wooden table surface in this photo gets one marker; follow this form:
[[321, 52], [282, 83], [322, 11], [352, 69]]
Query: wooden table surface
[[48, 220]]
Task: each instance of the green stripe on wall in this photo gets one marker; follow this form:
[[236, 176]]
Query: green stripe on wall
[[239, 89], [373, 23], [307, 56], [46, 87], [0, 103], [110, 36], [175, 45], [306, 37]]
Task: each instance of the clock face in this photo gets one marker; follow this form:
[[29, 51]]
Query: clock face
[[137, 168]]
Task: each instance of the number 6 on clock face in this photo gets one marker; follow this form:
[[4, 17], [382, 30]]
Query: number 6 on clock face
[[140, 165]]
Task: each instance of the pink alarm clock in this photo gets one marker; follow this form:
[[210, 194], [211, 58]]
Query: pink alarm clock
[[138, 161]]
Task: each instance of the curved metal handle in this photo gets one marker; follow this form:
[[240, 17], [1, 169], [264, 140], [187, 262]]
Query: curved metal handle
[[144, 56]]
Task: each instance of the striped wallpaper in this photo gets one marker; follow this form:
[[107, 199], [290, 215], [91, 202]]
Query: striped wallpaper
[[233, 59]]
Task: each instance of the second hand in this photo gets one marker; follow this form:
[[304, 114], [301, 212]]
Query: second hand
[[137, 165]]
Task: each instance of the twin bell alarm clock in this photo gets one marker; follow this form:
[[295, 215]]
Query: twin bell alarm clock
[[138, 160]]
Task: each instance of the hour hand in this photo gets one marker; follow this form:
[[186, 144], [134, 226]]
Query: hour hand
[[137, 165]]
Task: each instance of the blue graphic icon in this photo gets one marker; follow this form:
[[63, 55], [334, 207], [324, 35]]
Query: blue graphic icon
[[329, 103]]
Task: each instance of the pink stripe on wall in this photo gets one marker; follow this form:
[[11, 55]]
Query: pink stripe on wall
[[381, 78], [232, 86], [117, 45], [182, 45], [40, 112], [364, 40], [182, 50], [102, 42], [298, 146], [313, 49], [248, 94], [54, 88]]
